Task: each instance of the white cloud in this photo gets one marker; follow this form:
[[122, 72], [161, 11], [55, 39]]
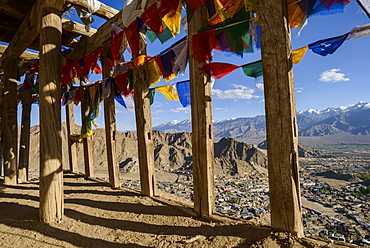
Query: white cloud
[[239, 92], [176, 110], [259, 86], [333, 76], [298, 90], [222, 109]]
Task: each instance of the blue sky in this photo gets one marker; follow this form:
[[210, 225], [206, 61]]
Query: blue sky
[[339, 79]]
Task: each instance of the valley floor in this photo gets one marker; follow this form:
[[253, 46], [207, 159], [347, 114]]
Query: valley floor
[[98, 216]]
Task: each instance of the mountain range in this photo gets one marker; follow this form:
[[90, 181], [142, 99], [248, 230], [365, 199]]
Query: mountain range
[[342, 125]]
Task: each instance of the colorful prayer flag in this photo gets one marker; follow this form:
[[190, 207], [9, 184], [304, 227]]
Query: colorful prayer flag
[[298, 54], [327, 46], [219, 70], [253, 69], [183, 90], [169, 92]]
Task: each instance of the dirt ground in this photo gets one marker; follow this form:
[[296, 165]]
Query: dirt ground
[[98, 216]]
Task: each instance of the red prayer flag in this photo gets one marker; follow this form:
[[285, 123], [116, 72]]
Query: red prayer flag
[[123, 84], [202, 44], [132, 35], [90, 62], [219, 70], [168, 7], [194, 4], [153, 19], [116, 45]]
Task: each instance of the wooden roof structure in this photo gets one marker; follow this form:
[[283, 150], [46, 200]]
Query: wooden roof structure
[[39, 25]]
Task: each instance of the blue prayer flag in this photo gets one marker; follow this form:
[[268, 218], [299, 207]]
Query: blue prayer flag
[[327, 46], [183, 90]]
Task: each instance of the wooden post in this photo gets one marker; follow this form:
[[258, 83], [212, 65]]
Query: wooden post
[[1, 127], [87, 142], [51, 174], [110, 134], [10, 125], [202, 128], [71, 129], [144, 125], [282, 138], [24, 147]]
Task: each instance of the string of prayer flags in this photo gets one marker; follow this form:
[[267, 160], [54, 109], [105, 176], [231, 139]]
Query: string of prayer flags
[[86, 129], [183, 90], [169, 92], [328, 46], [359, 31], [253, 69], [298, 54], [219, 70], [163, 37]]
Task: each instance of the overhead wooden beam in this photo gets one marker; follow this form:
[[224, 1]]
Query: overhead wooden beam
[[51, 173], [7, 37], [26, 55], [202, 127], [101, 36], [105, 12], [282, 131], [16, 6], [77, 28]]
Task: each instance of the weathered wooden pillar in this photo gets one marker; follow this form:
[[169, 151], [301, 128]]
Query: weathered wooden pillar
[[1, 127], [51, 174], [110, 134], [144, 125], [87, 142], [10, 125], [282, 139], [71, 130], [202, 128], [24, 146]]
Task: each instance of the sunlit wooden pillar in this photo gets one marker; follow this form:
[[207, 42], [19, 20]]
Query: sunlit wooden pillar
[[1, 127], [51, 174], [110, 133], [87, 142], [71, 130], [144, 125], [282, 136], [202, 128], [24, 146], [10, 125]]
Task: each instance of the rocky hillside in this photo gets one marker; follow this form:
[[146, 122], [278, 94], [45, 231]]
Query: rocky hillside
[[303, 151], [173, 154]]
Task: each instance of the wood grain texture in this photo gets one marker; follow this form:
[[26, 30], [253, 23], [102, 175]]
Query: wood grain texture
[[76, 27], [71, 130], [105, 11], [144, 126], [10, 126], [110, 134], [87, 142], [24, 146], [285, 201], [51, 174], [202, 128]]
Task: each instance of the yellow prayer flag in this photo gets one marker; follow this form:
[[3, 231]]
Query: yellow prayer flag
[[139, 61], [298, 54], [251, 5], [169, 92], [173, 21], [296, 14], [154, 73]]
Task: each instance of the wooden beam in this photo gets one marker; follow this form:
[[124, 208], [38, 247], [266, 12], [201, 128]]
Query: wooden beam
[[282, 134], [16, 6], [24, 146], [26, 55], [77, 28], [87, 142], [7, 37], [144, 125], [9, 23], [10, 126], [110, 134], [1, 126], [101, 36], [105, 12], [71, 130], [51, 173], [202, 128]]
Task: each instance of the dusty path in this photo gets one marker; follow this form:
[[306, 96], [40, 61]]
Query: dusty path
[[98, 216]]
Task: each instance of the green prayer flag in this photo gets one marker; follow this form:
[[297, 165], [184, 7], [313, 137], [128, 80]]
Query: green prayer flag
[[151, 95], [253, 69]]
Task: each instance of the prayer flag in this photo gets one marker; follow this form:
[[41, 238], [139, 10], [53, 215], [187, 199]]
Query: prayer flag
[[253, 69], [219, 70], [154, 73], [194, 4], [202, 45], [169, 92], [327, 46], [116, 45], [298, 54], [183, 90], [152, 18], [359, 31], [133, 36], [151, 95], [173, 20]]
